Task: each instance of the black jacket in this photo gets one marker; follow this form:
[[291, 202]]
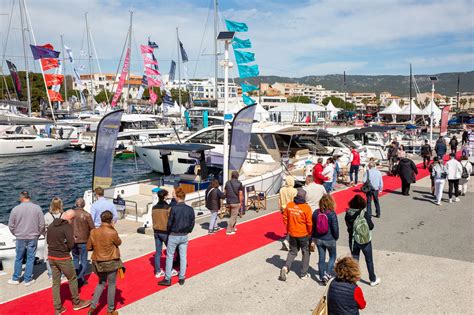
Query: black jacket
[[181, 220], [213, 198], [425, 150], [60, 238], [407, 170], [350, 217], [440, 148], [453, 143], [341, 298]]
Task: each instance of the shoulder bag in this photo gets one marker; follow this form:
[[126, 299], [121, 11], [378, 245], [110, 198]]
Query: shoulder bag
[[322, 307]]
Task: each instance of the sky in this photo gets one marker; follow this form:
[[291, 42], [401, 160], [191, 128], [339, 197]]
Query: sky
[[291, 38]]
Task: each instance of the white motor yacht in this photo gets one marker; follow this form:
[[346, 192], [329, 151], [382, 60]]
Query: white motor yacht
[[23, 140]]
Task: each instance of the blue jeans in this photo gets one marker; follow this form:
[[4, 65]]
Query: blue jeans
[[22, 247], [369, 261], [79, 256], [354, 170], [328, 186], [180, 242], [334, 180], [373, 194], [213, 222], [322, 246], [160, 238]]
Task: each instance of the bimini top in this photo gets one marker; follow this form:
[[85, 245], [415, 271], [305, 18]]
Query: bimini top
[[184, 147]]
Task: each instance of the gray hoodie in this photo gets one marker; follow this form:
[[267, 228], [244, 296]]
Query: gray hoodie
[[26, 221]]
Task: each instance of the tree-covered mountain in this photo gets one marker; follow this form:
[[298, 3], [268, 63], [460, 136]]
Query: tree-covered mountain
[[395, 84]]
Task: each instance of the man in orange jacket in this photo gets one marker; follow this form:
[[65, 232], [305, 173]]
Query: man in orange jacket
[[298, 222]]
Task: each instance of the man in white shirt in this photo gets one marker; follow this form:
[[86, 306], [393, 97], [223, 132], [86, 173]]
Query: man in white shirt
[[314, 192], [454, 172]]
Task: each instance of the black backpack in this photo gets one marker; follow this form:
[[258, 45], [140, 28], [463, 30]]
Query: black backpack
[[465, 173]]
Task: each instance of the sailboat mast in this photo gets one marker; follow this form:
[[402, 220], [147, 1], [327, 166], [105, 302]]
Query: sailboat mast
[[216, 57], [411, 78], [89, 55], [23, 35], [179, 69], [130, 55], [64, 70]]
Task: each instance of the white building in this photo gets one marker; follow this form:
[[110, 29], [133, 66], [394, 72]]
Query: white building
[[203, 89], [101, 82]]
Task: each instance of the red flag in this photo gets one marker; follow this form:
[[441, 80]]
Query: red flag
[[444, 120], [48, 46], [53, 79], [153, 96], [153, 82], [146, 49], [55, 96], [149, 71], [49, 63]]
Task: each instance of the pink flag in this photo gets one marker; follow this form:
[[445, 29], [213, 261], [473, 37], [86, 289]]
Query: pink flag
[[153, 96], [149, 61], [121, 82], [146, 49], [149, 71], [153, 82], [444, 120]]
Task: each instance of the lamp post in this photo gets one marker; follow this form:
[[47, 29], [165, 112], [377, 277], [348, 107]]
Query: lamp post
[[226, 37], [433, 80]]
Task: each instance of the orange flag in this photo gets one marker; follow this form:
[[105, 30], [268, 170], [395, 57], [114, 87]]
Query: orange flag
[[49, 63], [55, 96], [53, 79]]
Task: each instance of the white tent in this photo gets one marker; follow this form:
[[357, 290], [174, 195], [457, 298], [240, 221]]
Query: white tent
[[392, 109], [427, 111], [333, 110], [261, 114], [415, 110]]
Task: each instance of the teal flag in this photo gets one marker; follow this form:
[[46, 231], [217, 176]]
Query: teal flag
[[248, 100], [236, 26], [188, 119], [243, 56], [238, 43], [248, 71], [205, 119], [248, 87]]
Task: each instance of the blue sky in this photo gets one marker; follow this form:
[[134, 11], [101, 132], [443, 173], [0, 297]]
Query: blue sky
[[290, 38]]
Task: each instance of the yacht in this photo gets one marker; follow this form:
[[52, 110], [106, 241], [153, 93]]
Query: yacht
[[23, 140]]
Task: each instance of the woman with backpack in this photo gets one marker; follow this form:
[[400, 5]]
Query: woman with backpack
[[466, 174], [359, 226], [213, 202], [326, 233], [438, 173]]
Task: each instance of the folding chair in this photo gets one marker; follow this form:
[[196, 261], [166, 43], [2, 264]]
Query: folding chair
[[255, 199]]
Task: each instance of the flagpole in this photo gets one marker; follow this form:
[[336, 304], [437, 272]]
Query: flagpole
[[179, 71], [89, 56], [26, 61], [226, 123], [216, 63], [64, 71], [129, 58]]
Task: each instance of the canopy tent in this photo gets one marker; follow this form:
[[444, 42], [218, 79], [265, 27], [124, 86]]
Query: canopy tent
[[392, 109], [333, 110], [298, 113], [415, 110], [427, 111], [261, 114]]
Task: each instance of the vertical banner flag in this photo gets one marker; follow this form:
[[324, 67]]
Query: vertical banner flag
[[153, 96], [172, 70], [236, 26], [15, 78], [106, 140], [444, 120], [121, 82], [240, 137], [184, 55]]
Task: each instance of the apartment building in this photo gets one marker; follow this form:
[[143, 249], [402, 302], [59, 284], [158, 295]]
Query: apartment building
[[203, 89], [97, 82]]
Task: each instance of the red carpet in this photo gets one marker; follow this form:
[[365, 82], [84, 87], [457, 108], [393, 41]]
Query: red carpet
[[204, 253]]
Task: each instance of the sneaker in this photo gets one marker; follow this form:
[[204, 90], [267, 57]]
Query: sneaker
[[285, 245], [457, 199], [174, 273], [450, 200], [374, 283], [217, 229], [230, 233], [62, 310], [82, 304], [165, 282], [13, 282], [211, 232], [306, 276], [438, 203], [235, 229], [181, 281], [283, 273], [159, 274], [27, 284]]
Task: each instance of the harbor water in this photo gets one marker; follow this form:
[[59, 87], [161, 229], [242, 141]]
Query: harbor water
[[65, 175]]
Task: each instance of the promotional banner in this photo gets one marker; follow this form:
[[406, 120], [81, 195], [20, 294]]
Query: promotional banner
[[146, 49], [40, 52], [153, 82], [106, 140], [238, 43], [149, 61], [172, 70], [244, 56], [444, 120], [184, 55], [248, 71], [240, 137], [121, 82], [15, 78], [236, 26], [153, 96], [149, 71]]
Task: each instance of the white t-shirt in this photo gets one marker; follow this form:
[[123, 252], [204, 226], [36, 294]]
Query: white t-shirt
[[329, 172], [314, 193]]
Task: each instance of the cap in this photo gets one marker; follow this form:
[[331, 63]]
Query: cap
[[301, 193], [25, 194]]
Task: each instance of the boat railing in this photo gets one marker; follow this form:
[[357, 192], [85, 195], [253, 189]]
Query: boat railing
[[134, 205]]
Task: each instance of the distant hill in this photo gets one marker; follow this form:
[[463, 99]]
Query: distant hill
[[395, 84]]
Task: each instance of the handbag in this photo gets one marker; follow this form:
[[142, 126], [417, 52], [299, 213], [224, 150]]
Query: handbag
[[107, 266], [322, 307], [367, 186]]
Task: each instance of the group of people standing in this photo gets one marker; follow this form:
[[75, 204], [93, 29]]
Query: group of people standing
[[69, 235]]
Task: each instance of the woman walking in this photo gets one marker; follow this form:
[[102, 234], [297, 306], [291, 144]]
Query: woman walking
[[55, 211], [213, 202], [464, 181], [407, 171], [344, 296], [104, 243], [358, 221], [326, 233], [438, 173], [328, 172], [160, 215]]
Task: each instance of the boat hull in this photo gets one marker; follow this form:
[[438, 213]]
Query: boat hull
[[10, 147]]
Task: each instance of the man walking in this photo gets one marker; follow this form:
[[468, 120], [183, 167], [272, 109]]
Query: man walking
[[26, 223], [180, 224], [100, 206], [314, 192], [454, 173], [234, 194], [297, 218], [453, 143], [318, 169], [374, 177], [354, 162], [426, 153], [60, 243], [82, 225], [440, 148]]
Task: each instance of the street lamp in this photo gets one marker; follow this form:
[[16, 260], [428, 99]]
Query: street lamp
[[433, 79], [227, 38]]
